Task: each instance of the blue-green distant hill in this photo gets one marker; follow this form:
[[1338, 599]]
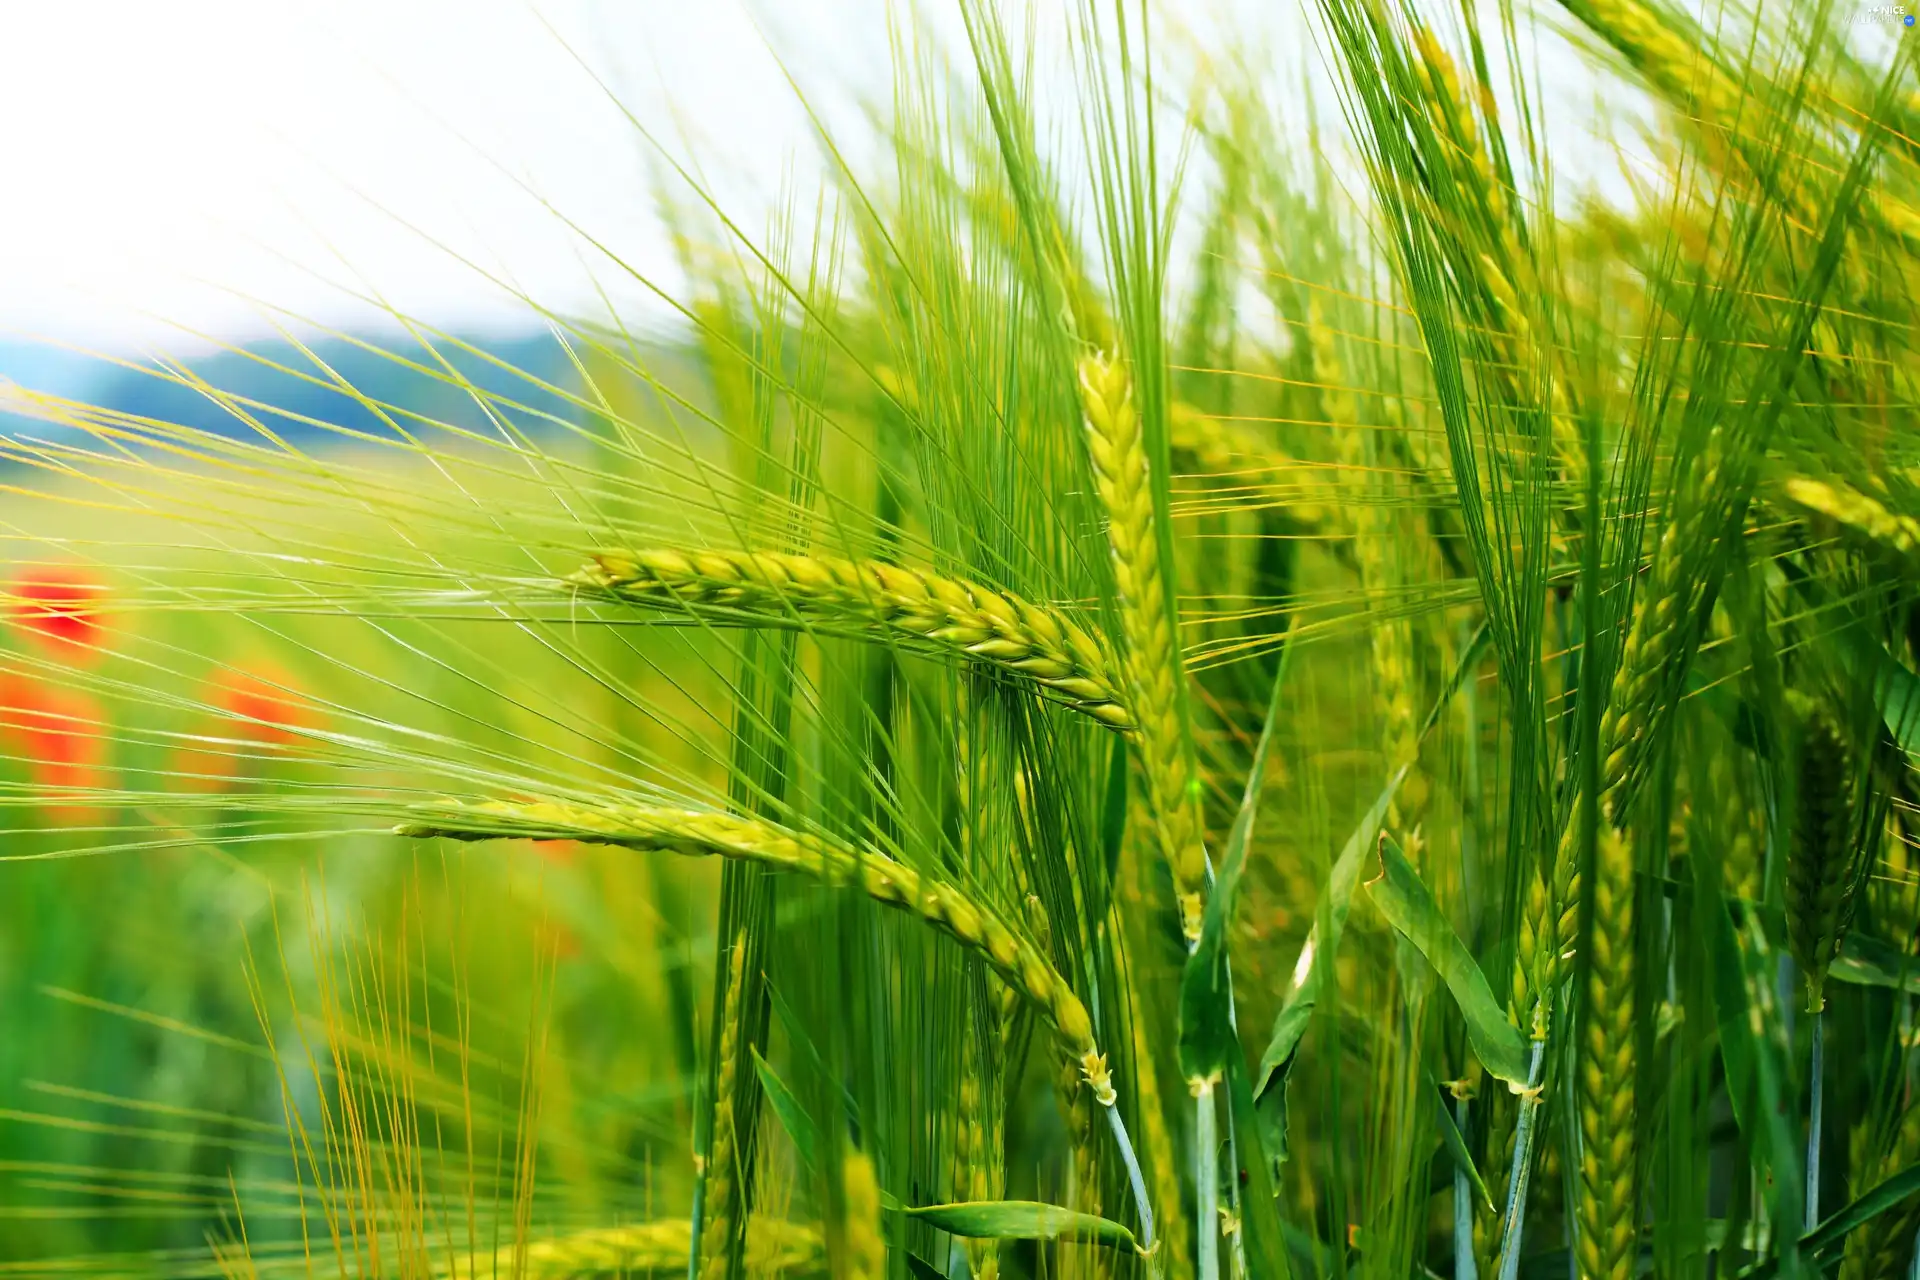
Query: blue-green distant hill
[[299, 395]]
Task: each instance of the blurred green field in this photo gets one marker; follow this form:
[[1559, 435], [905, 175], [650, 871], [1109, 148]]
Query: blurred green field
[[1347, 714]]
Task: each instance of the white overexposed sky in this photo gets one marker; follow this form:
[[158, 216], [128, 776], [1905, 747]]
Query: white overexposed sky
[[164, 166]]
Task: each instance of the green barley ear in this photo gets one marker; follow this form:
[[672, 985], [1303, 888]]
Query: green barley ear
[[1118, 453], [1163, 1158], [947, 615], [698, 833], [977, 1162], [1885, 1245], [724, 1182], [1821, 865], [866, 1242], [773, 1247], [1076, 1112], [1860, 517], [1609, 1232]]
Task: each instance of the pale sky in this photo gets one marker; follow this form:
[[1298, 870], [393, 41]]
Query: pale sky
[[166, 164]]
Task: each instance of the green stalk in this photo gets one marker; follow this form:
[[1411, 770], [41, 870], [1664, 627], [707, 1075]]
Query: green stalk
[[1516, 1214], [1464, 1267], [1206, 1185], [1816, 1085], [1135, 1178]]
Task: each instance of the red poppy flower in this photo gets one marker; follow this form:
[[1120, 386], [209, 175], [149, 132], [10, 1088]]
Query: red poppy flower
[[58, 733], [562, 852], [263, 706], [258, 707], [60, 607]]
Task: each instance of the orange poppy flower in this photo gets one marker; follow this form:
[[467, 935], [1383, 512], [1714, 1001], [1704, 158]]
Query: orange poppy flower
[[256, 707], [563, 852], [59, 606], [59, 734], [262, 705]]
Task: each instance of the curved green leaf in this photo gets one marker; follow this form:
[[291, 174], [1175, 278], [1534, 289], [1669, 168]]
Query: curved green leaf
[[1023, 1220], [1869, 962], [1888, 1194], [1403, 899], [1310, 968], [1322, 946], [1456, 1144], [1208, 1041], [786, 1107]]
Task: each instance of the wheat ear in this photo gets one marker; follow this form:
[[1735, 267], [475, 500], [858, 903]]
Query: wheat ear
[[1159, 1140], [1820, 880], [1862, 517], [723, 1181], [1121, 476], [1884, 1246], [1646, 660], [1608, 1176], [1678, 69], [866, 1245], [773, 1246], [1079, 1119], [1607, 1203], [948, 615], [977, 1147], [697, 833]]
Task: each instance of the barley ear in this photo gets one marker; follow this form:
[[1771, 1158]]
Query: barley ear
[[1117, 451], [773, 1246], [1884, 1246], [866, 1243], [1164, 1167], [723, 1181], [963, 619], [699, 833], [1077, 1112], [1607, 1208], [1820, 871], [977, 1161]]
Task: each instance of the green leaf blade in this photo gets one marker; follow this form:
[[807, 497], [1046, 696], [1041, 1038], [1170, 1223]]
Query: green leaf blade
[[1403, 899]]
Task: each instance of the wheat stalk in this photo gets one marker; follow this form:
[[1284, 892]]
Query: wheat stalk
[[699, 833], [948, 615], [772, 1246], [1118, 454]]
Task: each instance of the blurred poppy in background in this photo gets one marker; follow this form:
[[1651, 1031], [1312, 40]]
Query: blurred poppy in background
[[262, 705], [60, 608], [60, 735], [258, 711], [563, 852]]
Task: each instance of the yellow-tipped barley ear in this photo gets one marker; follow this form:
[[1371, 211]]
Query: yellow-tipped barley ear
[[963, 618], [1118, 457], [697, 833], [1094, 1067]]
